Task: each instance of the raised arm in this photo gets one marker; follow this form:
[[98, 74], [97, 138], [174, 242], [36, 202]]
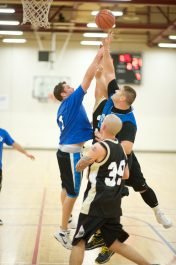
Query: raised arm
[[90, 73], [100, 88], [109, 72], [19, 148]]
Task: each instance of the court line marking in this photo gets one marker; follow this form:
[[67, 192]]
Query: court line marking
[[37, 240], [27, 263], [156, 232]]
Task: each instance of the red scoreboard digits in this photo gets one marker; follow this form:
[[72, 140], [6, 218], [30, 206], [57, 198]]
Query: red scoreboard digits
[[128, 67]]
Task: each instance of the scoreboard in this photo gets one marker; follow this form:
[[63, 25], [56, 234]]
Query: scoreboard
[[128, 67]]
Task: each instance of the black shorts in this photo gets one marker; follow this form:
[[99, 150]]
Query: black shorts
[[71, 179], [110, 228], [0, 179], [136, 179]]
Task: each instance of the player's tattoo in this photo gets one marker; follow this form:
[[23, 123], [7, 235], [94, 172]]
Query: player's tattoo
[[84, 162], [94, 148]]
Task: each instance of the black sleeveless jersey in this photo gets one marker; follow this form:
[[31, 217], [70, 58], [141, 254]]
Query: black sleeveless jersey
[[103, 194], [128, 131]]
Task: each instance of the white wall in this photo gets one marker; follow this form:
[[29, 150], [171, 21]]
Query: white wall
[[33, 124]]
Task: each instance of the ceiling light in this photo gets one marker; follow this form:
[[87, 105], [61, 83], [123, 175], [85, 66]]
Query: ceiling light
[[6, 22], [167, 45], [7, 10], [94, 25], [14, 40], [115, 13], [85, 42], [172, 37], [95, 35], [8, 32], [91, 25]]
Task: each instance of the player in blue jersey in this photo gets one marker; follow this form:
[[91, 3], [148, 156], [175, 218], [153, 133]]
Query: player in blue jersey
[[119, 103], [75, 130], [101, 208], [5, 138]]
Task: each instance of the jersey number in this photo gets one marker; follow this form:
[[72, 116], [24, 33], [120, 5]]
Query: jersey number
[[111, 179], [61, 122]]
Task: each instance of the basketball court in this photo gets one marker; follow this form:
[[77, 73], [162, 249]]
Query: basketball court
[[30, 205], [31, 212]]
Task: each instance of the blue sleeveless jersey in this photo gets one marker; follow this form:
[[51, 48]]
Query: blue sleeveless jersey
[[72, 119], [4, 138], [126, 117]]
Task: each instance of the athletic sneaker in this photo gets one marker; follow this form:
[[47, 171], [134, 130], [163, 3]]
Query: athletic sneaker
[[96, 242], [162, 219], [1, 222], [64, 239], [104, 256]]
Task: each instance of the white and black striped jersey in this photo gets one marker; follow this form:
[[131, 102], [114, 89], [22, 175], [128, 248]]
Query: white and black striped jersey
[[103, 194]]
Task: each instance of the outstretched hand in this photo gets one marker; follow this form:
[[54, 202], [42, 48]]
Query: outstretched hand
[[106, 41], [30, 156], [110, 35]]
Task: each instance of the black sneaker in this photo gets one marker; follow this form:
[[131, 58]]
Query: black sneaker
[[96, 242], [104, 256], [1, 222]]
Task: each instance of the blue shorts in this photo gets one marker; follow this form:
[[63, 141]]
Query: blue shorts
[[71, 179]]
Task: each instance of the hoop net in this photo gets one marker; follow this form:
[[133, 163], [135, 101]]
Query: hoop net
[[36, 12]]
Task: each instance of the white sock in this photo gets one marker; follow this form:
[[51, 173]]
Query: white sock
[[156, 209]]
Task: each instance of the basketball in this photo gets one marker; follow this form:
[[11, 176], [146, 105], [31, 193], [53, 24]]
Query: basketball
[[105, 19]]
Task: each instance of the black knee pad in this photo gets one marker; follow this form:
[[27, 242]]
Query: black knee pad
[[138, 184], [149, 197]]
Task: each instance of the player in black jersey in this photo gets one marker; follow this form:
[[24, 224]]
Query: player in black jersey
[[101, 207], [120, 105]]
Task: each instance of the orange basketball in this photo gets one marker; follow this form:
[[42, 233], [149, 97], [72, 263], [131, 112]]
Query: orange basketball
[[105, 19]]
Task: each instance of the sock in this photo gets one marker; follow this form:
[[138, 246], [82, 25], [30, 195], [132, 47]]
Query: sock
[[149, 197], [156, 209]]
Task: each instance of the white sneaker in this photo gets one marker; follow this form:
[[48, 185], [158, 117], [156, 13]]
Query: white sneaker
[[162, 219], [63, 238], [1, 222]]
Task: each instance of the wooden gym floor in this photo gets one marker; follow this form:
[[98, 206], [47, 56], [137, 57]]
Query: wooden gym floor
[[30, 210]]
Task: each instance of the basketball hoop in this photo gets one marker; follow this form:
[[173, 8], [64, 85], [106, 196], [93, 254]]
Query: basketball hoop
[[36, 12]]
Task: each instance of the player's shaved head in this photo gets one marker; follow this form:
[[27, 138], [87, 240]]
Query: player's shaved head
[[112, 124]]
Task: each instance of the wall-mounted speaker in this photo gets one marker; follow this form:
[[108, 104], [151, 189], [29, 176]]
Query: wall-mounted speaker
[[43, 56]]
